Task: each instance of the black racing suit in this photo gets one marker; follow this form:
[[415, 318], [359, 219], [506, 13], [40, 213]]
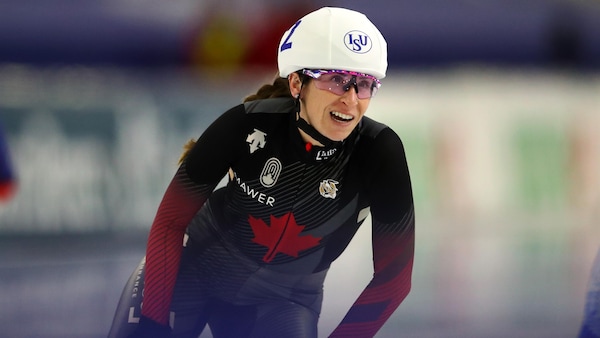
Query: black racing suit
[[259, 249]]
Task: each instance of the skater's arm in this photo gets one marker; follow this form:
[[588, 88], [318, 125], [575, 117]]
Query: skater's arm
[[202, 169], [393, 240]]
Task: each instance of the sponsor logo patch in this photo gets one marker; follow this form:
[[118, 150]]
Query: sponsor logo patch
[[270, 172]]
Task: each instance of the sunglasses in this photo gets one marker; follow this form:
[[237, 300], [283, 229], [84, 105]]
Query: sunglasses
[[340, 81]]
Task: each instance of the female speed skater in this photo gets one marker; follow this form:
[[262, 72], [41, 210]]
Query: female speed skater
[[305, 168]]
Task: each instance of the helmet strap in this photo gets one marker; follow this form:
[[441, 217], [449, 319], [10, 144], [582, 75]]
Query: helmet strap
[[311, 131]]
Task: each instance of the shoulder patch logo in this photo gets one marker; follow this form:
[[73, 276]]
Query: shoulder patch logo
[[328, 188], [270, 172], [256, 140]]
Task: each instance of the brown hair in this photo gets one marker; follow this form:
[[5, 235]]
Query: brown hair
[[186, 150], [279, 88]]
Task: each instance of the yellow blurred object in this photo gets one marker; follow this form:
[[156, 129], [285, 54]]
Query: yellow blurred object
[[220, 45]]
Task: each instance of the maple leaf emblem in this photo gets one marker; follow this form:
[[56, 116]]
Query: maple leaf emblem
[[283, 236]]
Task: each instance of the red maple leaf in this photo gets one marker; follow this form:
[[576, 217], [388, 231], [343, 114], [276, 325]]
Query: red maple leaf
[[282, 236]]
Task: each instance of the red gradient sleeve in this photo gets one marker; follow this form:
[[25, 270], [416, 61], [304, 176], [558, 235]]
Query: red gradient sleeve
[[205, 165], [182, 199], [393, 254], [393, 241]]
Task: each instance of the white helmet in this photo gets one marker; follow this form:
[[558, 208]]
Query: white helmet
[[333, 38]]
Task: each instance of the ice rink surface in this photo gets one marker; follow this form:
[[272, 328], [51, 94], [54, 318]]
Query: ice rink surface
[[68, 286]]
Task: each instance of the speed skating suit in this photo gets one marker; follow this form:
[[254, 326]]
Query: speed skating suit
[[257, 251]]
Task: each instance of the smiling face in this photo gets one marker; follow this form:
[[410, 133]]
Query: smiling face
[[334, 116]]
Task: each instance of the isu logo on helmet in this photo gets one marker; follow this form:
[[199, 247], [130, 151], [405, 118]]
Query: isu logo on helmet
[[333, 38], [358, 42]]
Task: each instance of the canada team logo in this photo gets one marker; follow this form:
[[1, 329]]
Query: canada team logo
[[358, 42], [282, 236], [328, 188], [270, 172]]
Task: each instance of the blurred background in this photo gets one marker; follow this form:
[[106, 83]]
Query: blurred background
[[497, 102]]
